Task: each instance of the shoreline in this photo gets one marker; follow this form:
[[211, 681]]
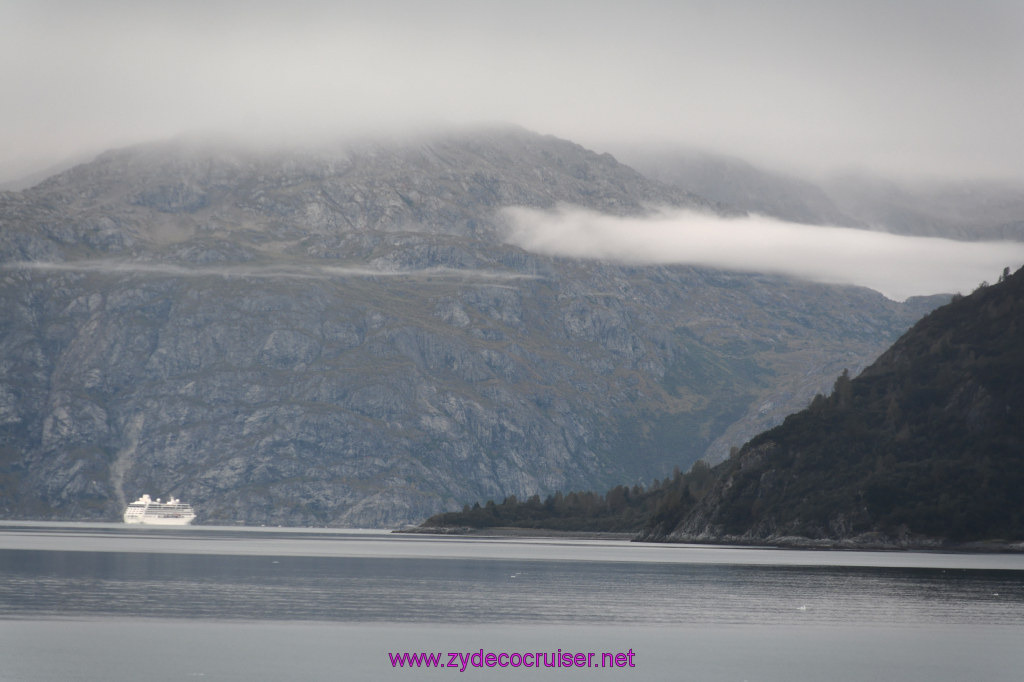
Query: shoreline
[[516, 532], [873, 544]]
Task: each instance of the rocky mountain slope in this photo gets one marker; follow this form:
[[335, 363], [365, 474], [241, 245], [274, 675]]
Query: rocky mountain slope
[[340, 335], [925, 447]]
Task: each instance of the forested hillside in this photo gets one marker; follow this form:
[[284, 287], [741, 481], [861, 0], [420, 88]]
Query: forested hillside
[[926, 445]]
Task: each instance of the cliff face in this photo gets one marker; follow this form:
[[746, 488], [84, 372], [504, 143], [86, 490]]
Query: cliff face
[[926, 446], [340, 336]]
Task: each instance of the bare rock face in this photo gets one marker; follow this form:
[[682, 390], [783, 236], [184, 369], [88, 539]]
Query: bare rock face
[[340, 336]]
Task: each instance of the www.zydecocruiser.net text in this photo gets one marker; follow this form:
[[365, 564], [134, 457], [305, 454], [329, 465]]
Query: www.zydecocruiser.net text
[[463, 660]]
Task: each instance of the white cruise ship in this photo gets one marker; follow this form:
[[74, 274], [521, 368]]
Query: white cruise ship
[[154, 512]]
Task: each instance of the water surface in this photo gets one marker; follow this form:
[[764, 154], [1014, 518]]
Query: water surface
[[105, 601]]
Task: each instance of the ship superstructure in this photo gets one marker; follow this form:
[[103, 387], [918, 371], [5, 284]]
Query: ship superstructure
[[146, 510]]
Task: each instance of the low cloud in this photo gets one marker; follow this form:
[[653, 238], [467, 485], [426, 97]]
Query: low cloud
[[938, 92], [895, 265]]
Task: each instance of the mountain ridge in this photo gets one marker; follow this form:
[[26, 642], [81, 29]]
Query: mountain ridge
[[965, 210]]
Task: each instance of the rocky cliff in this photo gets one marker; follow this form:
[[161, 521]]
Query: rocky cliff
[[340, 335]]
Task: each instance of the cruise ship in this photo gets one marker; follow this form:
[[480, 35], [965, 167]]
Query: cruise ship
[[154, 512]]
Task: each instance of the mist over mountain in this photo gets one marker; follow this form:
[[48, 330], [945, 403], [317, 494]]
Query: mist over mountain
[[965, 210], [735, 182], [344, 335]]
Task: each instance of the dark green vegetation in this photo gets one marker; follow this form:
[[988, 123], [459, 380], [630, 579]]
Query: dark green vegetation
[[620, 510], [927, 441], [925, 447]]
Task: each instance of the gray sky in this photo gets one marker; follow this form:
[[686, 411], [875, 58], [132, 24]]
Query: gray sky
[[915, 87]]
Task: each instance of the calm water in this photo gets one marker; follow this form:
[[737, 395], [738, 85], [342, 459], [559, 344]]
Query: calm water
[[108, 602]]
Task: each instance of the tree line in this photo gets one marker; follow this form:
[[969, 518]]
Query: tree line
[[622, 509]]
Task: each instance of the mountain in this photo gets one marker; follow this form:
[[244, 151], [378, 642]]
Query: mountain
[[925, 447], [963, 210], [737, 183], [339, 335]]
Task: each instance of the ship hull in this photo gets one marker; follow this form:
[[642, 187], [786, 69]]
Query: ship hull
[[160, 521]]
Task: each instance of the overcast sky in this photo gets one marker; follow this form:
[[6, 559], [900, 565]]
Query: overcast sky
[[916, 87]]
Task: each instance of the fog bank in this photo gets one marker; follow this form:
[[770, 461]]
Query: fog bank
[[897, 266]]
